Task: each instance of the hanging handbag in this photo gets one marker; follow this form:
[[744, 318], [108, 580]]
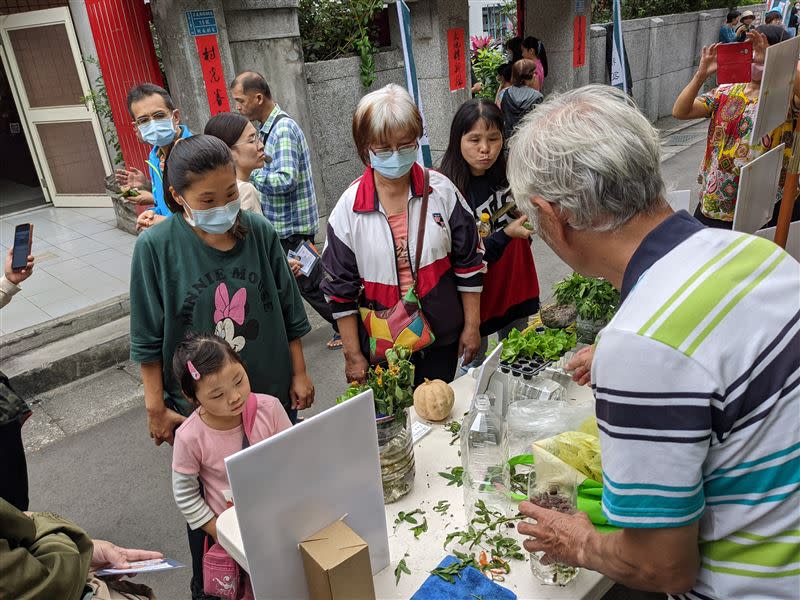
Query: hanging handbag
[[222, 575], [403, 324]]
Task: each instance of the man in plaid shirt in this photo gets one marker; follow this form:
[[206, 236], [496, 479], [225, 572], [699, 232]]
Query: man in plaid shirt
[[285, 183]]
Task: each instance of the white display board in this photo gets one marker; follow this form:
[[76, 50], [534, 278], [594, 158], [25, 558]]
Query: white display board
[[758, 191], [680, 200], [792, 242], [293, 484], [775, 94]]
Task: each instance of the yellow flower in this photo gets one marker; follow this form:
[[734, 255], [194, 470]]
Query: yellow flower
[[394, 370], [380, 380], [378, 370]]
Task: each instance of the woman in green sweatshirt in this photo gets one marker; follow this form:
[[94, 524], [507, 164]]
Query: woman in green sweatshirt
[[213, 268]]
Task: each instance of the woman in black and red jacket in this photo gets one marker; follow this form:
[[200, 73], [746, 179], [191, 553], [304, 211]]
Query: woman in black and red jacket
[[475, 163]]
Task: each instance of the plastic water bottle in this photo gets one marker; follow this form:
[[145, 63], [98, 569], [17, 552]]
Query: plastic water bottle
[[481, 457], [484, 226]]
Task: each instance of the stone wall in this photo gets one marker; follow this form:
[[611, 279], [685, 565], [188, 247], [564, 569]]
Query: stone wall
[[334, 89], [663, 53]]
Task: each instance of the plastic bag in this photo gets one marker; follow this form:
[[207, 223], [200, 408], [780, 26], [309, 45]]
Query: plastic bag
[[579, 450]]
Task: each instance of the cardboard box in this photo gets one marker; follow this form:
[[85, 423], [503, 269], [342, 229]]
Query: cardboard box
[[336, 562]]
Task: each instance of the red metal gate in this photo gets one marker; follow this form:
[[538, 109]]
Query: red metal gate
[[127, 57]]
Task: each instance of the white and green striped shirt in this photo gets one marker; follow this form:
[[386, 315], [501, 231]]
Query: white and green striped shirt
[[697, 380]]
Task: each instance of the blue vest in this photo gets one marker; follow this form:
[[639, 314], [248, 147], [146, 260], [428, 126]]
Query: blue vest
[[156, 179]]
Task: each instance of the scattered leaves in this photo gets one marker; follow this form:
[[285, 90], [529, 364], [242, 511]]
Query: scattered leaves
[[454, 427], [421, 528], [407, 517], [442, 507], [400, 569], [455, 476]]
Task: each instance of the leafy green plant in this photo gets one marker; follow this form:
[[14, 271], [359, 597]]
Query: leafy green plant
[[485, 62], [333, 29], [392, 385], [547, 345], [97, 99], [595, 299]]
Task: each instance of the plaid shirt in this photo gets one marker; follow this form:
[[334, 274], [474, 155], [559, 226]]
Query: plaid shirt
[[285, 184]]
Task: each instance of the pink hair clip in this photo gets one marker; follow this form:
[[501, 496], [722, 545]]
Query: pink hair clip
[[192, 371]]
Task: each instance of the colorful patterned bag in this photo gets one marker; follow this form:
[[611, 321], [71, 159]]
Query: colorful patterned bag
[[403, 324]]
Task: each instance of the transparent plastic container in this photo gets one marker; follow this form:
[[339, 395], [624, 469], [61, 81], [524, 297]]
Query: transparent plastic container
[[560, 495], [396, 451], [535, 413], [481, 457], [519, 431]]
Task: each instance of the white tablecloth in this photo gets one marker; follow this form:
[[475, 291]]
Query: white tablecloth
[[433, 453]]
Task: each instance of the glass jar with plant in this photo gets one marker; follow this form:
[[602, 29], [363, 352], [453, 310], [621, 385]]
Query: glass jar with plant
[[392, 386]]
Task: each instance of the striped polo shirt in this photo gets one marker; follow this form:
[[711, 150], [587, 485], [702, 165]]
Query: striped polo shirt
[[698, 404]]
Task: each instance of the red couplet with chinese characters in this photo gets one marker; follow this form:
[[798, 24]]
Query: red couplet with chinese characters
[[457, 59], [213, 76], [579, 42]]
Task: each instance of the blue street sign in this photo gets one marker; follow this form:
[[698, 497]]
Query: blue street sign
[[201, 22]]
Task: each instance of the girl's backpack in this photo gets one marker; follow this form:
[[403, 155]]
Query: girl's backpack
[[222, 576]]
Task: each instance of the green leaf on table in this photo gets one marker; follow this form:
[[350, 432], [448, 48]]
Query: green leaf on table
[[421, 528], [442, 507], [400, 569], [407, 517], [454, 477]]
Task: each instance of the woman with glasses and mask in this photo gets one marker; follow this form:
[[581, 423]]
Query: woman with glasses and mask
[[370, 255], [247, 150]]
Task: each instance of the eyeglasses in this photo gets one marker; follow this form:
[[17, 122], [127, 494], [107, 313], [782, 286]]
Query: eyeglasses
[[254, 139], [387, 152], [156, 116]]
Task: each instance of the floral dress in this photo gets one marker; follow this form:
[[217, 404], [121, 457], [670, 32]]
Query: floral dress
[[729, 148]]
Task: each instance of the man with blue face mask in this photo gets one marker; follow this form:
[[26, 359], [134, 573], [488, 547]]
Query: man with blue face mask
[[157, 123]]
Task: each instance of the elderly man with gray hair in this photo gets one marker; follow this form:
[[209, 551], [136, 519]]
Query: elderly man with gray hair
[[696, 378]]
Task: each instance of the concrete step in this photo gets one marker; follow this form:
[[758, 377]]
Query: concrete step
[[81, 404], [67, 359], [36, 336]]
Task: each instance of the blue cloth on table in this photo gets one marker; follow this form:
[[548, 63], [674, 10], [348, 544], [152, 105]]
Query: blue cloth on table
[[471, 583]]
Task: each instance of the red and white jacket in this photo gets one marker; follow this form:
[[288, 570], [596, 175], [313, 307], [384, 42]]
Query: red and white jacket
[[359, 256]]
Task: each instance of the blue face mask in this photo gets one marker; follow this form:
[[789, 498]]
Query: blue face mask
[[397, 164], [158, 133], [214, 220]]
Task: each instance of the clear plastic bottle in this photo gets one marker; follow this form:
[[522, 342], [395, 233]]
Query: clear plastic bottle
[[484, 226], [481, 457]]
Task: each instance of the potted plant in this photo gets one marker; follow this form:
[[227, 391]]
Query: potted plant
[[595, 302], [392, 386]]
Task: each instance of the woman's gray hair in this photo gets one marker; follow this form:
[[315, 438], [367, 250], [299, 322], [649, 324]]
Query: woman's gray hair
[[591, 152]]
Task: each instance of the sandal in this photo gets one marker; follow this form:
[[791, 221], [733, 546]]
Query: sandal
[[335, 342]]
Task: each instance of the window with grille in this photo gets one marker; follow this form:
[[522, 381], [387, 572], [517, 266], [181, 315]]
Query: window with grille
[[494, 22]]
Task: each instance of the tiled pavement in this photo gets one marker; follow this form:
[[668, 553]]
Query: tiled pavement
[[81, 259]]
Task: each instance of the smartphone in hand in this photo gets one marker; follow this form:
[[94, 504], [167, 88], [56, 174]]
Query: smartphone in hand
[[23, 240]]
